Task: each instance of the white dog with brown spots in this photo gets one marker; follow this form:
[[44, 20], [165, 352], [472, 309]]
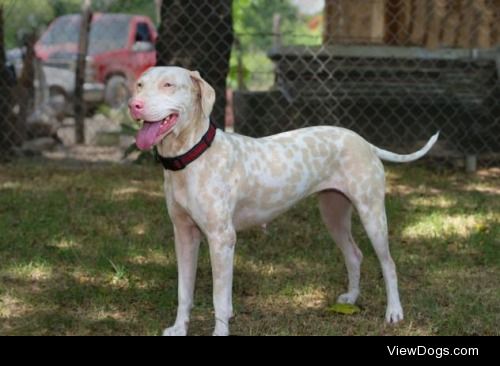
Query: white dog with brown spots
[[218, 183]]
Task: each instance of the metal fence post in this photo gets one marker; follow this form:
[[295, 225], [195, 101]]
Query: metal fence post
[[277, 30], [470, 163], [83, 44], [26, 88], [6, 115]]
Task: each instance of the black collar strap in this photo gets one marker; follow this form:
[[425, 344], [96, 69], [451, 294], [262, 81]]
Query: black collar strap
[[182, 161]]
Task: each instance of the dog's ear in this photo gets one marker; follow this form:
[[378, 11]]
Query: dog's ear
[[207, 93]]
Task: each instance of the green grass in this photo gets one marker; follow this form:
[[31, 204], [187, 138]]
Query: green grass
[[89, 250]]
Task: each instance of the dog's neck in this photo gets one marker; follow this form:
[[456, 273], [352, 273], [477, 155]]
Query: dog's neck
[[175, 145]]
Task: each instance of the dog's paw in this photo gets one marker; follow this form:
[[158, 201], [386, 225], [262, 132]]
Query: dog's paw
[[221, 329], [348, 298], [394, 314], [175, 331], [221, 333]]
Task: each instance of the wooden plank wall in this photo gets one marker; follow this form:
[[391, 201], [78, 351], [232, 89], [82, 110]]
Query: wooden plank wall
[[354, 21], [427, 23], [496, 25]]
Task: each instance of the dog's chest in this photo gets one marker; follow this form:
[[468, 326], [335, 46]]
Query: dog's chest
[[196, 192], [176, 191]]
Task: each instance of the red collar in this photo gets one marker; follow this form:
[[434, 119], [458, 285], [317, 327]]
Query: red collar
[[182, 161]]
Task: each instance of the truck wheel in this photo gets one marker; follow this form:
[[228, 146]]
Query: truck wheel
[[60, 103], [117, 93]]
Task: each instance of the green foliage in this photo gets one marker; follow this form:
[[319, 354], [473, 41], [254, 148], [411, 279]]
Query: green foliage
[[61, 7], [141, 7], [253, 25], [253, 22], [27, 15], [24, 16], [255, 18]]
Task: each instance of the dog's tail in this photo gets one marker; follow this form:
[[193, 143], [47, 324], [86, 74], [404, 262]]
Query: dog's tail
[[397, 158]]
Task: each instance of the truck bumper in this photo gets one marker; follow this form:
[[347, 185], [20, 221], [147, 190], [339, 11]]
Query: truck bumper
[[93, 92]]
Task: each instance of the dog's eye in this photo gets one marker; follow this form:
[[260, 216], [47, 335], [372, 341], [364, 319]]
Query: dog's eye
[[139, 85], [168, 85]]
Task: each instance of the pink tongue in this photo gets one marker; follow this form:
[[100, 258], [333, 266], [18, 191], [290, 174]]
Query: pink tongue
[[147, 135]]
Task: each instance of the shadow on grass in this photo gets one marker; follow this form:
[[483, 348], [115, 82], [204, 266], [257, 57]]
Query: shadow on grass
[[91, 252]]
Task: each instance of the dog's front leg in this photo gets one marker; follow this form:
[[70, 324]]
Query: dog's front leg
[[187, 244], [222, 244]]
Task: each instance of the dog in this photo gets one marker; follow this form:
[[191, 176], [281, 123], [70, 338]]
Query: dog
[[218, 183]]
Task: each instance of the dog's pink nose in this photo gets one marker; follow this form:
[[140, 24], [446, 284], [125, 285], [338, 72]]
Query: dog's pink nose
[[136, 107]]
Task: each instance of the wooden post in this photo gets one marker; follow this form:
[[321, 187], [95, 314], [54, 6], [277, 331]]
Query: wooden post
[[471, 163], [394, 23], [484, 24], [81, 64], [495, 32], [276, 30], [465, 34], [377, 22], [7, 118], [2, 48], [437, 14], [158, 4], [241, 66], [404, 18], [451, 24], [419, 21], [25, 90], [333, 22], [354, 21]]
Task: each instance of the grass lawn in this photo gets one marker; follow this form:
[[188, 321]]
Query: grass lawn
[[89, 251]]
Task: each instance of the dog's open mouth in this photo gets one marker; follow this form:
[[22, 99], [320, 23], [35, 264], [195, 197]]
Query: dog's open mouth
[[153, 132]]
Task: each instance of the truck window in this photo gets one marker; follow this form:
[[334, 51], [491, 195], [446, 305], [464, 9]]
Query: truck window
[[143, 33]]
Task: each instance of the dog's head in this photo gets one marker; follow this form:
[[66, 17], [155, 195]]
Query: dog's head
[[168, 100]]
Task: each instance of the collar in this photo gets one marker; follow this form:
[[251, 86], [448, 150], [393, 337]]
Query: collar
[[182, 161]]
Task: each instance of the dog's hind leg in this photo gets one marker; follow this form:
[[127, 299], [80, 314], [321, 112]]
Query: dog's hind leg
[[336, 211], [374, 219]]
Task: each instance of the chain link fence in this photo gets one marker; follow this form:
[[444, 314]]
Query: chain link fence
[[395, 71]]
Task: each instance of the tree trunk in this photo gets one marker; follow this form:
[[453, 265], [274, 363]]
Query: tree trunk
[[24, 92], [7, 119], [199, 37], [83, 45]]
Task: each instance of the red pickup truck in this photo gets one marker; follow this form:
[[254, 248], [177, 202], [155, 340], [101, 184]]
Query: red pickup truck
[[121, 47]]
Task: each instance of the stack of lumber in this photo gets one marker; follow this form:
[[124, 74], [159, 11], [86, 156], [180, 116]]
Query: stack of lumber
[[354, 21], [424, 23]]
